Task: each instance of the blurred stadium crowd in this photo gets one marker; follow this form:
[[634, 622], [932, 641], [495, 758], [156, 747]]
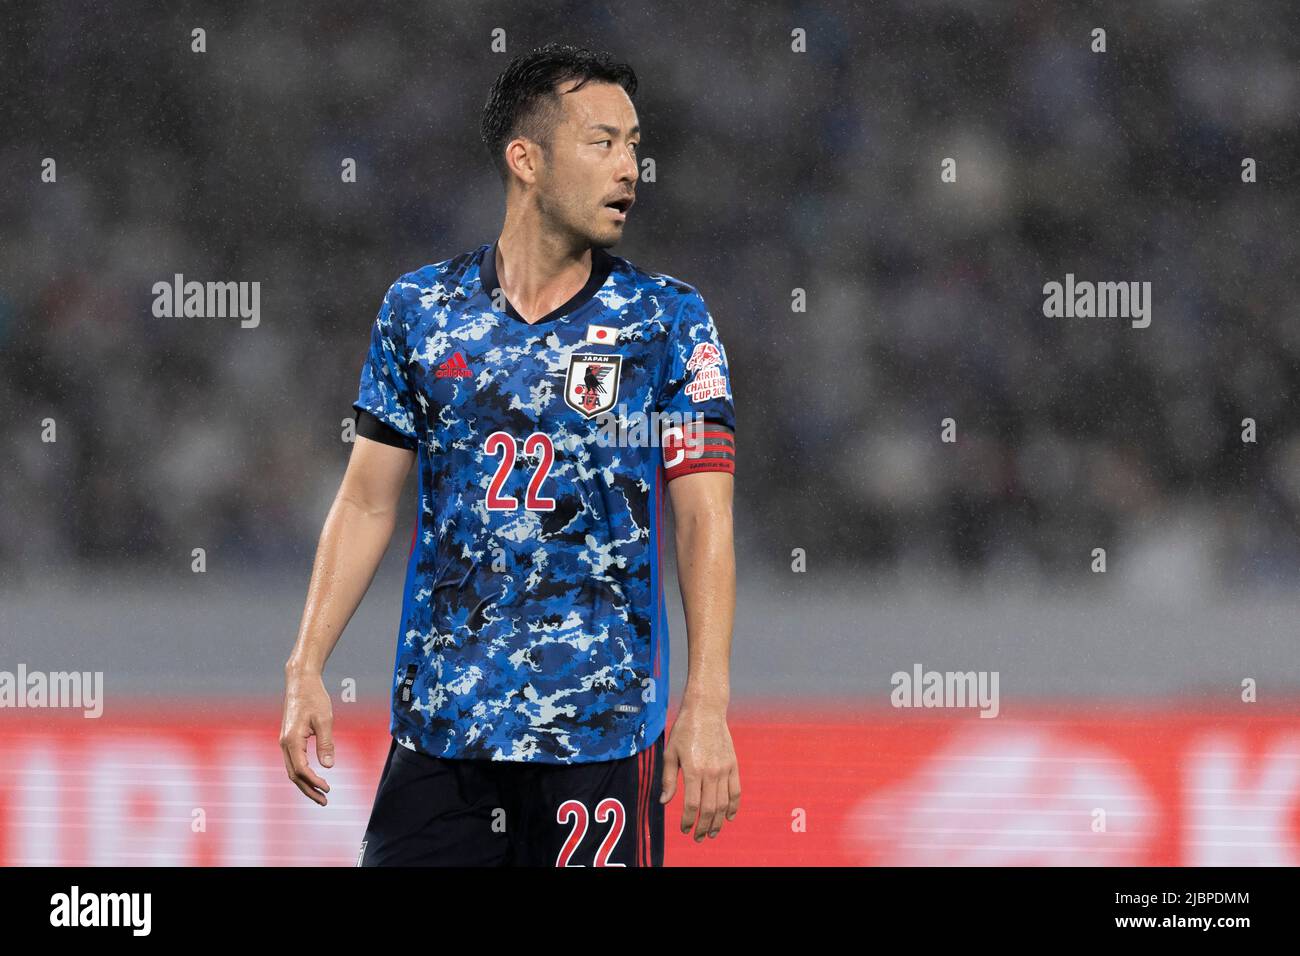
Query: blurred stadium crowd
[[775, 171]]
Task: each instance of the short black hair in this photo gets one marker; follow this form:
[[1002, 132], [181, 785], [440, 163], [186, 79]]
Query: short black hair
[[523, 100]]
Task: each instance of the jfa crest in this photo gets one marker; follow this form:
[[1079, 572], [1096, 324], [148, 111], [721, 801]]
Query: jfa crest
[[591, 387]]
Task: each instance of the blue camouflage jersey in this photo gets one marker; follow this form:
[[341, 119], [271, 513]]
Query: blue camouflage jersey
[[534, 626]]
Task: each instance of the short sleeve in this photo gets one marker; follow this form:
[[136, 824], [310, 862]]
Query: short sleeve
[[384, 391], [695, 402]]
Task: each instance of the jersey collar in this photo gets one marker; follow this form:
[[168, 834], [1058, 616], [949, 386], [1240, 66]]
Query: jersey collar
[[602, 263]]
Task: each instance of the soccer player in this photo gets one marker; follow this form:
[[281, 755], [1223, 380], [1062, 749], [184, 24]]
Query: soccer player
[[552, 396]]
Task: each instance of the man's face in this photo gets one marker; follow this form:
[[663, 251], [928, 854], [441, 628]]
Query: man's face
[[592, 162]]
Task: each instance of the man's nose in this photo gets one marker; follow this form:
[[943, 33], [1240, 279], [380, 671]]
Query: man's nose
[[628, 171]]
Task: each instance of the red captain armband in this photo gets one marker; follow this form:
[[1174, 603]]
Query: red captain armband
[[698, 446]]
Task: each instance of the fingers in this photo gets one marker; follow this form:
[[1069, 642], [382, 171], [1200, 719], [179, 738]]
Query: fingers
[[713, 795], [324, 728], [710, 807], [669, 781], [733, 788], [708, 794], [691, 787], [308, 792], [294, 747]]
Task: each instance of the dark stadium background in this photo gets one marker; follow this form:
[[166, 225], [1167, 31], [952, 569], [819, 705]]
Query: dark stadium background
[[775, 171]]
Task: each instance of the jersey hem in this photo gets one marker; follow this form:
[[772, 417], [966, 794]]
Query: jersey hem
[[402, 735]]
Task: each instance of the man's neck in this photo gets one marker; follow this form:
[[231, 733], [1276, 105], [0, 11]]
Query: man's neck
[[539, 273]]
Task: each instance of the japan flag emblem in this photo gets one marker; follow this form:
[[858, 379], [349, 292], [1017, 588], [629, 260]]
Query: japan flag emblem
[[601, 334]]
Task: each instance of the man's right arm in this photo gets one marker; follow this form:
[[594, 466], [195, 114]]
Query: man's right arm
[[352, 543]]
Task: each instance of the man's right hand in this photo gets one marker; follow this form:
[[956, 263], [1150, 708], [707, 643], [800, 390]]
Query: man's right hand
[[352, 543], [307, 713]]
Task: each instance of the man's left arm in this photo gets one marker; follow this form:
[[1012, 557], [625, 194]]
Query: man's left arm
[[700, 743]]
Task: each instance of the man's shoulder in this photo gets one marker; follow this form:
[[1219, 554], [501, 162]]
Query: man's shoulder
[[441, 283], [665, 293], [628, 271]]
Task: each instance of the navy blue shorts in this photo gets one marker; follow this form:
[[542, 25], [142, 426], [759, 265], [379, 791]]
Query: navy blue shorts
[[435, 811]]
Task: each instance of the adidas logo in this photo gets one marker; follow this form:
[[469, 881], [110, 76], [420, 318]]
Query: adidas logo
[[455, 367]]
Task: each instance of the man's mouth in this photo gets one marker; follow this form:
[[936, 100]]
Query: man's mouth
[[620, 206]]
